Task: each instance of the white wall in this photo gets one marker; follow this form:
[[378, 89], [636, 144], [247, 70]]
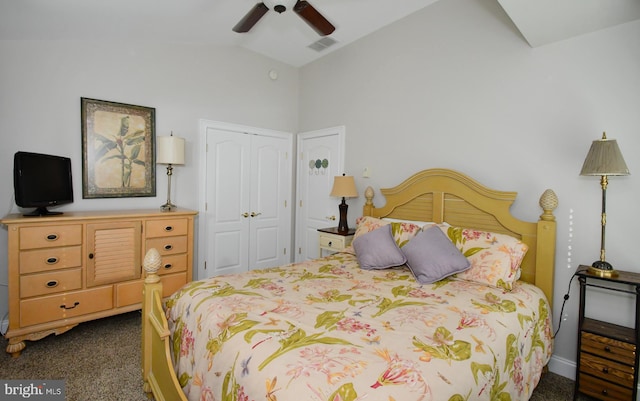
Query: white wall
[[456, 86], [41, 84]]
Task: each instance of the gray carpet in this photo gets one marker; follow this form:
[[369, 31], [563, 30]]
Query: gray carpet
[[100, 361]]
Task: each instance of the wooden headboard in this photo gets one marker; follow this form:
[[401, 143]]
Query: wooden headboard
[[441, 195]]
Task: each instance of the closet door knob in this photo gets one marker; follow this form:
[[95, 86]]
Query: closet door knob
[[245, 215], [254, 214]]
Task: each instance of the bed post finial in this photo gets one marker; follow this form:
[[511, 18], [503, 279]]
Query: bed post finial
[[151, 265], [548, 203], [368, 203]]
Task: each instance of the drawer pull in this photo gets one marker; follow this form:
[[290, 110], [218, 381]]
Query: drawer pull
[[605, 369], [63, 306], [168, 228], [604, 391], [330, 243], [607, 348], [168, 247], [91, 256], [52, 237], [52, 284], [168, 266], [52, 261]]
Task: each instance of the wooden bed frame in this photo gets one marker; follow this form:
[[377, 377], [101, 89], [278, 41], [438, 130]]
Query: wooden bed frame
[[437, 195]]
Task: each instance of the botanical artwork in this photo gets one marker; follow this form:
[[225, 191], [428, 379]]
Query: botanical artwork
[[118, 150]]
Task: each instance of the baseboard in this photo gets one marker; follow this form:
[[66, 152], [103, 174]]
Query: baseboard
[[4, 326], [563, 367]]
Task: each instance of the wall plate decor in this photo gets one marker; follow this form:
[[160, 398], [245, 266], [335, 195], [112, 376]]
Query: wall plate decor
[[118, 156]]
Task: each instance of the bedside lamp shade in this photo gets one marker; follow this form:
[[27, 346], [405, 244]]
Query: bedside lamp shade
[[344, 186], [604, 159]]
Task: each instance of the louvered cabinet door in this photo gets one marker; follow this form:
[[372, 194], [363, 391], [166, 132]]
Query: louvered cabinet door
[[113, 252]]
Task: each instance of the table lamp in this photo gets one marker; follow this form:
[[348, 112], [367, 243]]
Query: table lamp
[[170, 152], [344, 186], [604, 159]]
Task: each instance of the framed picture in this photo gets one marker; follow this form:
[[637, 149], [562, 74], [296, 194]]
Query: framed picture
[[118, 156]]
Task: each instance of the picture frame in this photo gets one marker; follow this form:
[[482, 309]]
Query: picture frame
[[118, 150]]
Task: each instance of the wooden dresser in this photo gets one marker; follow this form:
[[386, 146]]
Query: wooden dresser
[[80, 266]]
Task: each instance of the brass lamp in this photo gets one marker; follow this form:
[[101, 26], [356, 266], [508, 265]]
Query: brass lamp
[[344, 186], [604, 159], [170, 152]]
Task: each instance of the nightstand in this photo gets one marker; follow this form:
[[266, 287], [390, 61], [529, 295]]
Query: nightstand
[[607, 362], [330, 239]]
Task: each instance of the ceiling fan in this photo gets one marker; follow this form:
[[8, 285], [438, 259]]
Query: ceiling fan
[[301, 7]]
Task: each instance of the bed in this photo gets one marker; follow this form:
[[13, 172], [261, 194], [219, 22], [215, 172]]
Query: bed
[[343, 328]]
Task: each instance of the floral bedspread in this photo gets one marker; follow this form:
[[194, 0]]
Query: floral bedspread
[[327, 330]]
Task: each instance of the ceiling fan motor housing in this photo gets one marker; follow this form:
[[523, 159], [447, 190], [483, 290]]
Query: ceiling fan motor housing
[[279, 8]]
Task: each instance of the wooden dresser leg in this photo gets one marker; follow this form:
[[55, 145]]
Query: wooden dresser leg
[[15, 348]]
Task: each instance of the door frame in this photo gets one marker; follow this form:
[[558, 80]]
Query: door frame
[[205, 125]]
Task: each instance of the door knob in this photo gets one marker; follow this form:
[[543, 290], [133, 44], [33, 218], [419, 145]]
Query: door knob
[[331, 218], [254, 214], [245, 215]]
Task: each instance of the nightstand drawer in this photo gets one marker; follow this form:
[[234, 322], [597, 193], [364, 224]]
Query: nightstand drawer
[[602, 389], [333, 242], [608, 370], [608, 348]]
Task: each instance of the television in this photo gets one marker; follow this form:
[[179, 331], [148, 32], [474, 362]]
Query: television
[[41, 181]]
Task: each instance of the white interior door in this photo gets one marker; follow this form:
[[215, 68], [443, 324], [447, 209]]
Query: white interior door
[[228, 202], [245, 212], [321, 157], [270, 214]]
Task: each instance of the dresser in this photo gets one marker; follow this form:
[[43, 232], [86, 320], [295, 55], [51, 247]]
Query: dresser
[[607, 362], [79, 266]]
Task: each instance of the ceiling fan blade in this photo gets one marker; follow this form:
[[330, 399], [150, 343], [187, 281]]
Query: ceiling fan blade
[[252, 17], [313, 18]]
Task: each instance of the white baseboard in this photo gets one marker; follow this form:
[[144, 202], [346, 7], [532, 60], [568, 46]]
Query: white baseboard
[[563, 367], [4, 326]]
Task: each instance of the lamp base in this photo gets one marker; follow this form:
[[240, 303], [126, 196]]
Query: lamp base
[[343, 227], [602, 268], [167, 207]]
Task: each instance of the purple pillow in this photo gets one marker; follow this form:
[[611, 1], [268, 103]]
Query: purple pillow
[[432, 256], [377, 249]]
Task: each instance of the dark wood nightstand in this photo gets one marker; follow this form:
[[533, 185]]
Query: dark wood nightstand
[[607, 362], [330, 239]]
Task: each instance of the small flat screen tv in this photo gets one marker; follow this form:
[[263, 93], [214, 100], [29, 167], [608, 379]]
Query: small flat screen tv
[[41, 181]]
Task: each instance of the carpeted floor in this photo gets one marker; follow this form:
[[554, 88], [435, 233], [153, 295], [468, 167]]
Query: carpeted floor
[[100, 361]]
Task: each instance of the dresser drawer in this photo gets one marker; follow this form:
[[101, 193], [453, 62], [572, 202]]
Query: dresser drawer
[[50, 236], [606, 369], [131, 293], [50, 283], [334, 242], [608, 348], [63, 306], [173, 264], [42, 260], [168, 245], [602, 389], [166, 228]]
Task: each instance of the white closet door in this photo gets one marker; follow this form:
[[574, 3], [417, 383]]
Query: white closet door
[[228, 202], [270, 211], [246, 203]]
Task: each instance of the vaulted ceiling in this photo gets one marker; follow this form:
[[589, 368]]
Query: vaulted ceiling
[[284, 37]]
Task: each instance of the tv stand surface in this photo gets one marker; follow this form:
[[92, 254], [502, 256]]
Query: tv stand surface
[[42, 211], [79, 266]]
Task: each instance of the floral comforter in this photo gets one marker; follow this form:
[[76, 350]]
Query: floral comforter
[[326, 330]]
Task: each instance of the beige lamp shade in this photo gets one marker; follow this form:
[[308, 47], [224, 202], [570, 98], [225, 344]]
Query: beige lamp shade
[[604, 158], [344, 186], [170, 150]]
